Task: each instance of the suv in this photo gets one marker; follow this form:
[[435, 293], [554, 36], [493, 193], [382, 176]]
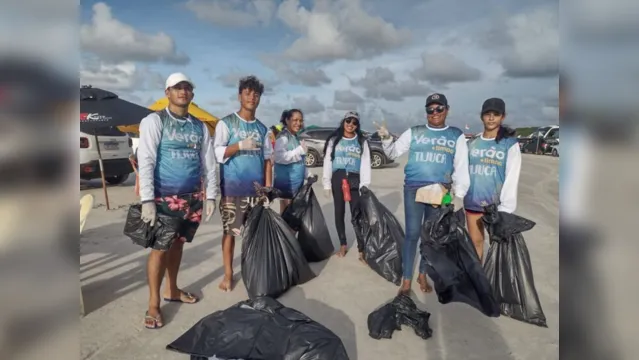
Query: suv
[[540, 142], [115, 148], [316, 137]]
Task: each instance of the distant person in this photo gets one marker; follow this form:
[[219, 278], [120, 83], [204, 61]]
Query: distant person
[[174, 154], [437, 154], [289, 153], [244, 152], [494, 159], [346, 157], [274, 131]]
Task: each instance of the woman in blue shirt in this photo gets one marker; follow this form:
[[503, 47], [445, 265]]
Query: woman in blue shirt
[[288, 156], [346, 156], [494, 161]]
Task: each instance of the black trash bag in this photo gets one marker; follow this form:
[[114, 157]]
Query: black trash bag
[[508, 266], [272, 260], [453, 263], [401, 311], [160, 236], [305, 216], [379, 236], [259, 329]]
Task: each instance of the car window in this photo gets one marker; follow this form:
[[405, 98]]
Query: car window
[[553, 134], [375, 136]]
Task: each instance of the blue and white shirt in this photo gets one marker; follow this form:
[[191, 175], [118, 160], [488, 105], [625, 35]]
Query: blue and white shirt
[[349, 156], [435, 156], [289, 169], [173, 156], [494, 174], [240, 171]]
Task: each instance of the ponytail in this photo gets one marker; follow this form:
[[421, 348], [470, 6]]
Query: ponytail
[[504, 132], [286, 114]]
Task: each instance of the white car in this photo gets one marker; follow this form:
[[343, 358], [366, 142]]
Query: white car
[[115, 148]]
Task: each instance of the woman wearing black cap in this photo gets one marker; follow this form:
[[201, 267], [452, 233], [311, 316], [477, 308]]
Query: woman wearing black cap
[[347, 162], [494, 160]]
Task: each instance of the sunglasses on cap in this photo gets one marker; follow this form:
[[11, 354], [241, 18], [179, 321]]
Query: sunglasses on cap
[[437, 109], [352, 120]]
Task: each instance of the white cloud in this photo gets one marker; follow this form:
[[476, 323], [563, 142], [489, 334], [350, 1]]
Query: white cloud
[[125, 77], [309, 105], [233, 13], [296, 75], [380, 83], [115, 41], [346, 100], [338, 29], [444, 68], [231, 80]]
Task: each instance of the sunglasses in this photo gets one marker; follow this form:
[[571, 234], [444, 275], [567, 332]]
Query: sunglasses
[[352, 121], [437, 109]]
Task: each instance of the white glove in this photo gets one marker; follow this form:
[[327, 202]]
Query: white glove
[[382, 130], [248, 144], [149, 212], [210, 208], [327, 193], [303, 146]]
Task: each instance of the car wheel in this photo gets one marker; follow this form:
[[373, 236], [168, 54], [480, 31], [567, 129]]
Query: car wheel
[[311, 159], [117, 179], [555, 152], [377, 160]]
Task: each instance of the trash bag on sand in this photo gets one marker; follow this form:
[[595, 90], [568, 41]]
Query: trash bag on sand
[[379, 236], [260, 329], [305, 216], [401, 311], [453, 264], [160, 235], [272, 260], [508, 267]]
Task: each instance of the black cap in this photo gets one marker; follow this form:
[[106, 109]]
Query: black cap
[[494, 104], [436, 99]]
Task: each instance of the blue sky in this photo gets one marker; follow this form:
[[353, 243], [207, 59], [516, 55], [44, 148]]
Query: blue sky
[[381, 58]]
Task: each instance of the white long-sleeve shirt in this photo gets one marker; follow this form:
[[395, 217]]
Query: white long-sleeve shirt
[[364, 167], [283, 156], [508, 195], [460, 176], [150, 136]]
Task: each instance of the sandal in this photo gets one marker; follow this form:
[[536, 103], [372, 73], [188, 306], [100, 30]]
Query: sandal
[[153, 322], [424, 286], [183, 294]]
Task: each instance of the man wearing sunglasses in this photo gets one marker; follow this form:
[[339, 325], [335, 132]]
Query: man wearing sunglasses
[[437, 163]]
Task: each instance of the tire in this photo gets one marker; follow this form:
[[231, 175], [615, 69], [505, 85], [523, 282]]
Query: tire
[[311, 159], [117, 179], [555, 153], [377, 160]]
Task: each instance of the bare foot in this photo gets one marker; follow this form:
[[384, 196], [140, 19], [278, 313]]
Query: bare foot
[[424, 286], [342, 251], [226, 284], [405, 288], [361, 259]]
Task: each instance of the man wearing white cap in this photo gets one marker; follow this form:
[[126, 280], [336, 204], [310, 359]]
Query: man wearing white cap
[[174, 154]]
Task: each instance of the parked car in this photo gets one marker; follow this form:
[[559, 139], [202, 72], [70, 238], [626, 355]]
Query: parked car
[[316, 137], [115, 148], [541, 141]]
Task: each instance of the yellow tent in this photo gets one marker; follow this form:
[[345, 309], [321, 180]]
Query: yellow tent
[[209, 120]]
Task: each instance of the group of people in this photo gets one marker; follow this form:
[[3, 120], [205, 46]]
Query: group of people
[[177, 157]]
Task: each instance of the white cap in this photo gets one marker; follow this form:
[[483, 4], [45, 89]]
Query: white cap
[[175, 79]]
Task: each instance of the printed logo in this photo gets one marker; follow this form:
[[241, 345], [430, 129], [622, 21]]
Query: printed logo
[[94, 117]]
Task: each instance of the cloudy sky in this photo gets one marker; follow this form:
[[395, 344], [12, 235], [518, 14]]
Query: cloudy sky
[[379, 57]]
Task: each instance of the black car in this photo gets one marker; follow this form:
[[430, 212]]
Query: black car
[[315, 139]]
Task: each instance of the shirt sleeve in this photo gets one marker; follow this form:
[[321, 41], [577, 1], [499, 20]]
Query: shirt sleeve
[[395, 149], [461, 176], [328, 166], [150, 135], [267, 147], [508, 196], [221, 141], [209, 164], [365, 167], [282, 156]]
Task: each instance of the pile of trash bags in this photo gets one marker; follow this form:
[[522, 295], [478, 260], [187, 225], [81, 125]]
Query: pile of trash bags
[[305, 216], [508, 267], [272, 259], [453, 264], [380, 236], [259, 329], [401, 311], [159, 236]]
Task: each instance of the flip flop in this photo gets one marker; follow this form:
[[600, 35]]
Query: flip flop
[[157, 320], [186, 294]]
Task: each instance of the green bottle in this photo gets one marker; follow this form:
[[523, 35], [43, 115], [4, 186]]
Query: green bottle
[[447, 199]]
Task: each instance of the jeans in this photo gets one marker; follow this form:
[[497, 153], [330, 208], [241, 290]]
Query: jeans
[[416, 213]]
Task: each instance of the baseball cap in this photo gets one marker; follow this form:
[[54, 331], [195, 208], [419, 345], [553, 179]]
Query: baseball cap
[[175, 79], [436, 99], [351, 114], [494, 104]]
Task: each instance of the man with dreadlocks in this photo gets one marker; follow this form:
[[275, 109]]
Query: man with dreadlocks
[[346, 158]]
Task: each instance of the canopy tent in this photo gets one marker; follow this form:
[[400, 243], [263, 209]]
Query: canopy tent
[[209, 120]]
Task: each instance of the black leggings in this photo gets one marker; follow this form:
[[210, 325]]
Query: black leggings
[[338, 200]]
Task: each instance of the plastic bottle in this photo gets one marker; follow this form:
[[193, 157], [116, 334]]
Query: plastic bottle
[[346, 190]]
